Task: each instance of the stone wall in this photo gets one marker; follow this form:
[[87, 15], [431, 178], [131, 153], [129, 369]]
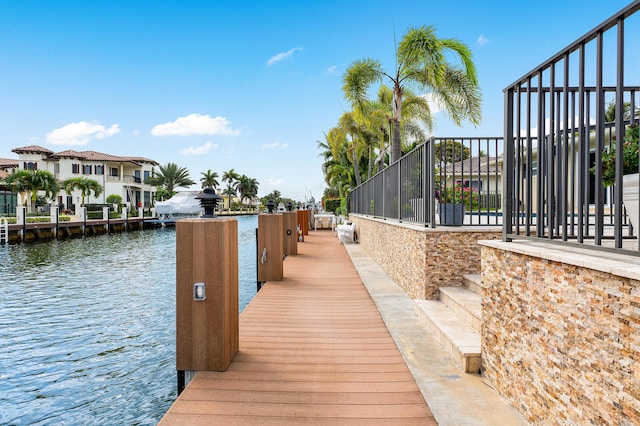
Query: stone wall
[[561, 332], [421, 260]]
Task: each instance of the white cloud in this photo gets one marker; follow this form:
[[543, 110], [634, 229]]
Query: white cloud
[[282, 56], [195, 124], [275, 182], [332, 69], [80, 133], [199, 150], [482, 40], [275, 145]]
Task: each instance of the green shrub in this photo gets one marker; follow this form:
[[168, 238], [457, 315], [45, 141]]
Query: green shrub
[[93, 215], [96, 207], [332, 204], [114, 199], [38, 219]]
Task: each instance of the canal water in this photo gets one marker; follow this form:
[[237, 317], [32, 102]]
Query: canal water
[[87, 327]]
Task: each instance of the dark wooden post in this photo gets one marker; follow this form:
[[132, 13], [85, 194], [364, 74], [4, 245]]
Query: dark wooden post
[[303, 221], [270, 247], [206, 330], [290, 222]]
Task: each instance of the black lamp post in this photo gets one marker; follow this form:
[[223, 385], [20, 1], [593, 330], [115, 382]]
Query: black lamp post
[[289, 206], [208, 200], [270, 206]]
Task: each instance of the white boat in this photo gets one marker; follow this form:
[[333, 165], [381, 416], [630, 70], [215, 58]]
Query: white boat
[[180, 206]]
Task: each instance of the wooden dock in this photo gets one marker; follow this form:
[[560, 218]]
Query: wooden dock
[[313, 350]]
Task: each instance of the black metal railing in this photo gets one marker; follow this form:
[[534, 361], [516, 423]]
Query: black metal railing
[[435, 173], [561, 121]]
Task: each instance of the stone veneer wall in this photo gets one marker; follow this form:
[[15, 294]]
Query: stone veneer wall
[[561, 335], [421, 260]]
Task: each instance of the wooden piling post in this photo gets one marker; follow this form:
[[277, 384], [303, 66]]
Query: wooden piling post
[[270, 247], [206, 330], [303, 221], [290, 222]]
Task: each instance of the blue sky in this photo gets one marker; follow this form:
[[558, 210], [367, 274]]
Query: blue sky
[[250, 85]]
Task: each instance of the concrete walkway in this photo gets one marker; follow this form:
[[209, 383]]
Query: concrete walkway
[[454, 398]]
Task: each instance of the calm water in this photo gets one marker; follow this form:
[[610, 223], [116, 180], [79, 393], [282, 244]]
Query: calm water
[[87, 327]]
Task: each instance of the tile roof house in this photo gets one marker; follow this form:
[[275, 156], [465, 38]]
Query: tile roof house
[[120, 175]]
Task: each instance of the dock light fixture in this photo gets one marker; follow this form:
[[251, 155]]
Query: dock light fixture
[[208, 200], [270, 206], [289, 206], [199, 292]]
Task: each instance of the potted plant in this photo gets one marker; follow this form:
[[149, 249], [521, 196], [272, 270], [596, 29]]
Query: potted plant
[[631, 179], [629, 157], [453, 200]]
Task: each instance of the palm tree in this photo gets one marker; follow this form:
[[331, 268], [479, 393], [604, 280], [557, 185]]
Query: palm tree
[[170, 176], [28, 182], [84, 185], [209, 179], [421, 60], [44, 181], [337, 169], [356, 132], [248, 188], [230, 177], [18, 181]]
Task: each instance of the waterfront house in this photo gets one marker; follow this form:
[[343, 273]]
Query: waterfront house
[[119, 175], [8, 200]]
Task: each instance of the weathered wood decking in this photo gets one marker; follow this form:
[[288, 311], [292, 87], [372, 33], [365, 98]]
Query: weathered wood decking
[[313, 350]]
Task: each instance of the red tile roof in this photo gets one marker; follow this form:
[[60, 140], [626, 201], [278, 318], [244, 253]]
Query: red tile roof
[[6, 163], [81, 155], [32, 149]]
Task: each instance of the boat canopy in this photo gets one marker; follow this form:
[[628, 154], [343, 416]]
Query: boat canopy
[[179, 204]]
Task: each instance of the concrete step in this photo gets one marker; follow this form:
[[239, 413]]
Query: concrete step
[[473, 282], [466, 304], [457, 338]]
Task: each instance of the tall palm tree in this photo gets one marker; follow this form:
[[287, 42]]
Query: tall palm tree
[[84, 185], [18, 181], [209, 179], [231, 177], [356, 132], [170, 176], [29, 182], [337, 168], [421, 60], [248, 188]]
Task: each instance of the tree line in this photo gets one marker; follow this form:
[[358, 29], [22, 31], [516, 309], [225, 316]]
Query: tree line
[[170, 176], [374, 134], [30, 183]]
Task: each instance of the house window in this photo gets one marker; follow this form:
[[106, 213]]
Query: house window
[[147, 175], [86, 169], [99, 170], [475, 184], [30, 165], [75, 168], [113, 171], [56, 168]]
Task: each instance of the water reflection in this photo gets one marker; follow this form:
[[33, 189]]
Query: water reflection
[[88, 327]]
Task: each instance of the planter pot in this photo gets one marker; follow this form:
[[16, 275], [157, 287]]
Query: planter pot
[[630, 197], [451, 214]]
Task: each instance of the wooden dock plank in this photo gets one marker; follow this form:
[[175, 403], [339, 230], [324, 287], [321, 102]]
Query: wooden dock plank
[[313, 350]]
